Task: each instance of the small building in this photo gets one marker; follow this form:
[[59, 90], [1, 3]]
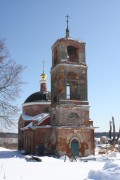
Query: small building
[[104, 139], [59, 123]]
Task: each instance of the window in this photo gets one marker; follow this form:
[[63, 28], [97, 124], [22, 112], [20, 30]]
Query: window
[[68, 91], [72, 91]]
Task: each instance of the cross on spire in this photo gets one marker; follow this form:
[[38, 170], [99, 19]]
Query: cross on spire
[[43, 75], [67, 29], [43, 66]]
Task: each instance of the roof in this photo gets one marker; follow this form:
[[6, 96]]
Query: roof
[[42, 119], [68, 40], [39, 96], [38, 117]]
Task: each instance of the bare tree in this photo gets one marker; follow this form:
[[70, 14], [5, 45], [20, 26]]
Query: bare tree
[[10, 82], [112, 135]]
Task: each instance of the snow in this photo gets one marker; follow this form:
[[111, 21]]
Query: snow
[[38, 117], [14, 166]]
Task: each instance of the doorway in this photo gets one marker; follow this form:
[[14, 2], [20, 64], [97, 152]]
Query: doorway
[[41, 150], [75, 147]]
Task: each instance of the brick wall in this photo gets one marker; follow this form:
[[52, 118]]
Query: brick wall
[[33, 110]]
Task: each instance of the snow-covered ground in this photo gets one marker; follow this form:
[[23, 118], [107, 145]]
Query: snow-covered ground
[[13, 166]]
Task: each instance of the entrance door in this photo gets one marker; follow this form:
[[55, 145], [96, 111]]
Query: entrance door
[[75, 147], [41, 150]]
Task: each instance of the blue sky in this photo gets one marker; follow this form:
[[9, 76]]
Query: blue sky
[[32, 26]]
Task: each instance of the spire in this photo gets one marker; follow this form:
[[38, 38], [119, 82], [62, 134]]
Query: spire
[[43, 81], [67, 29], [43, 75]]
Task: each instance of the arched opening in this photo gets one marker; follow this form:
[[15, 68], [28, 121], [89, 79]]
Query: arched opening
[[75, 147], [72, 53]]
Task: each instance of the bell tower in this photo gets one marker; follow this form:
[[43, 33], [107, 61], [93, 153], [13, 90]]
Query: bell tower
[[69, 82], [69, 100]]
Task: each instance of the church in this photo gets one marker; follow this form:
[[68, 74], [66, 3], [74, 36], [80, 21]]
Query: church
[[58, 122]]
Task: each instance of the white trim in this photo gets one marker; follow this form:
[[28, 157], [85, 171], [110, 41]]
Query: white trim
[[36, 103], [74, 105], [71, 127], [35, 127]]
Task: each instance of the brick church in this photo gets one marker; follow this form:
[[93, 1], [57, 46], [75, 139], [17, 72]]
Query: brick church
[[58, 122]]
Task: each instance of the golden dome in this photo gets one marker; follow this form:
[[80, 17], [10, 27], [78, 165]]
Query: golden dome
[[43, 76]]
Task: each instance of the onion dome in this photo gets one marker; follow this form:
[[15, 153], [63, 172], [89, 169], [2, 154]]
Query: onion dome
[[42, 95], [38, 97]]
